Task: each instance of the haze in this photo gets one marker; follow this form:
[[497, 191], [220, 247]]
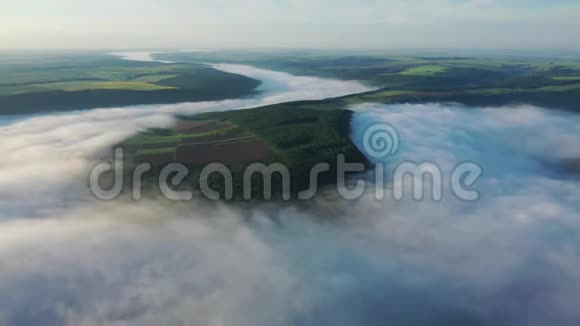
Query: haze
[[387, 24]]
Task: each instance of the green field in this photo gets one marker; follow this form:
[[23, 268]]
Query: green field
[[72, 86], [154, 78], [567, 78], [429, 70], [561, 88]]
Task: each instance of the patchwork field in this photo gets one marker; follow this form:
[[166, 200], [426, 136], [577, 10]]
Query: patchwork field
[[72, 86], [429, 70], [297, 137], [199, 143]]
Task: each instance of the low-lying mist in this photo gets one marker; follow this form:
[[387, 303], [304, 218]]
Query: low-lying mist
[[510, 258]]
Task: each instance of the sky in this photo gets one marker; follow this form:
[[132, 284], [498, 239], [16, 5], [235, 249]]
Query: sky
[[344, 24]]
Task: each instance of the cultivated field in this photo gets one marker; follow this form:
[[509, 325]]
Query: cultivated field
[[199, 143], [297, 137]]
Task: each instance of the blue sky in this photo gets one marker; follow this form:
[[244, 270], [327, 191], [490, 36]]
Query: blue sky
[[518, 24]]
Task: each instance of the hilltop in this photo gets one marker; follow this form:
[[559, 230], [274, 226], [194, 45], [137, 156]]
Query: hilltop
[[298, 138]]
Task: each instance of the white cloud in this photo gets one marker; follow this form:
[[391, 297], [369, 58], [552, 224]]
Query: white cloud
[[258, 23]]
